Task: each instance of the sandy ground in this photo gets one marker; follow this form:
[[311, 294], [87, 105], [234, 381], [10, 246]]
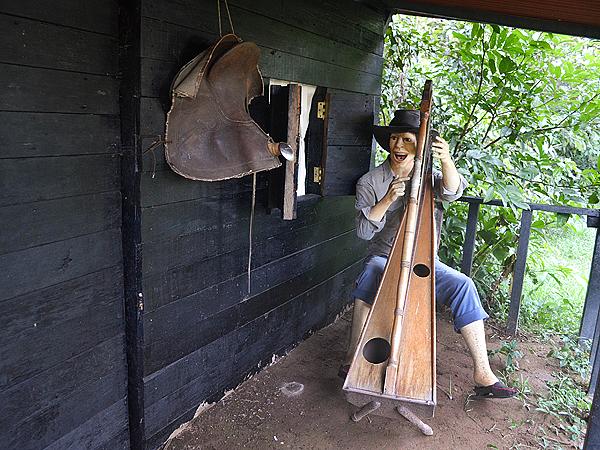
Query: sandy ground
[[267, 413]]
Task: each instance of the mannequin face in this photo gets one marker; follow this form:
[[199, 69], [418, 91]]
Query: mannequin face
[[403, 148]]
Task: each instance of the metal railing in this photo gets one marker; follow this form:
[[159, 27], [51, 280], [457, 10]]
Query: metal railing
[[589, 328]]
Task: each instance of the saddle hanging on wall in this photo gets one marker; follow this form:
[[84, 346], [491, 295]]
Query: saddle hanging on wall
[[210, 136]]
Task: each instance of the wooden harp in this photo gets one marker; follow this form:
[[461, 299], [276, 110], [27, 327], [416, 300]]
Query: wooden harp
[[395, 361]]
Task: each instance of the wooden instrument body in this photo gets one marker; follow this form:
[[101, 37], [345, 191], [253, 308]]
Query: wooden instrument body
[[415, 380], [395, 357]]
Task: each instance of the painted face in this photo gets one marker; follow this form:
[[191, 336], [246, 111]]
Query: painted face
[[403, 148]]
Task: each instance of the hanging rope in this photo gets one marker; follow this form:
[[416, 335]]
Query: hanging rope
[[228, 15], [158, 141], [250, 231]]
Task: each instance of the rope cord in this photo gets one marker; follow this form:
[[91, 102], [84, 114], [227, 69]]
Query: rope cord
[[250, 230], [228, 16]]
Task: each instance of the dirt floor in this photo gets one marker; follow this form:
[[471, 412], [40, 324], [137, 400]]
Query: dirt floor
[[298, 403]]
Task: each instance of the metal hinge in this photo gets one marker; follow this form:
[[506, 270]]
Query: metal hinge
[[321, 108], [317, 174]]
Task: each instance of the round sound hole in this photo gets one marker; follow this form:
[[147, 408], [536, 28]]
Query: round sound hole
[[377, 350], [421, 270]]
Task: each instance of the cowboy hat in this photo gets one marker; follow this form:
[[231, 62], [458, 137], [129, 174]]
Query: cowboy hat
[[405, 120]]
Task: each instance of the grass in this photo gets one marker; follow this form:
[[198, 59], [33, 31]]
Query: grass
[[556, 280], [558, 267]]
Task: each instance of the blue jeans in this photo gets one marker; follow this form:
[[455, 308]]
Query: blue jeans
[[452, 288]]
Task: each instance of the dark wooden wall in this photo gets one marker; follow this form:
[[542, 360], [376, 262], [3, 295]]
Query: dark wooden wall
[[62, 364], [203, 333]]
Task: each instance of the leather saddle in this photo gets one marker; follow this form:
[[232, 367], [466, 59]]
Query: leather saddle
[[210, 135]]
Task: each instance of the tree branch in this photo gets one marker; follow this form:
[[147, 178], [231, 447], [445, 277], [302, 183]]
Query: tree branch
[[466, 126]]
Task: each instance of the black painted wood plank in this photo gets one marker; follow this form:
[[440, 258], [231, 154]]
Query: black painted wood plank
[[42, 134], [174, 376], [32, 352], [189, 279], [285, 66], [32, 89], [360, 29], [353, 23], [153, 116], [48, 425], [46, 265], [269, 34], [343, 167], [169, 221], [38, 223], [103, 430], [251, 346], [350, 119], [169, 187], [166, 42], [39, 44], [158, 74], [43, 390], [183, 315], [119, 442], [95, 15], [37, 179], [223, 226], [46, 308], [167, 344], [171, 407]]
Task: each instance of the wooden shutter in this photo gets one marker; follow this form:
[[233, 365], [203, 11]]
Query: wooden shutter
[[349, 141], [315, 142]]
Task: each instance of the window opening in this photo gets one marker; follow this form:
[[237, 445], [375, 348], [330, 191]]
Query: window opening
[[308, 92]]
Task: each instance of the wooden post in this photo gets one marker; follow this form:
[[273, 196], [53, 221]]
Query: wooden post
[[591, 308], [590, 325], [291, 167], [519, 273], [470, 234], [592, 436], [131, 163]]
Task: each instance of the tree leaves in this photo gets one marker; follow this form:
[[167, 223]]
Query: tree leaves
[[521, 110]]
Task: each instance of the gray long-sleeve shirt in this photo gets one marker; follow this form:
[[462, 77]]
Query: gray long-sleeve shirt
[[371, 188]]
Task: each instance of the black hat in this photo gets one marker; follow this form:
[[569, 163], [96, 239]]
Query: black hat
[[405, 120]]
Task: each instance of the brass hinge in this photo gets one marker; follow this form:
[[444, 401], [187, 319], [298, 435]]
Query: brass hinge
[[317, 174], [321, 108]]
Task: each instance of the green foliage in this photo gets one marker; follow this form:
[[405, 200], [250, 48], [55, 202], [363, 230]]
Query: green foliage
[[574, 356], [567, 402], [512, 354], [521, 111]]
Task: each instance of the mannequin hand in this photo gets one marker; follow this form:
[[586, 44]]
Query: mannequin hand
[[441, 150], [397, 188]]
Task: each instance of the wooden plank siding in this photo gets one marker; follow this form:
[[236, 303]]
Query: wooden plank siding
[[203, 331], [62, 350]]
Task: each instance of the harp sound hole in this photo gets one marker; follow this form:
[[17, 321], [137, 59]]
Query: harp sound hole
[[421, 270], [376, 351]]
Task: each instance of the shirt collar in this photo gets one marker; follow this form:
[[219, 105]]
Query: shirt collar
[[387, 170]]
